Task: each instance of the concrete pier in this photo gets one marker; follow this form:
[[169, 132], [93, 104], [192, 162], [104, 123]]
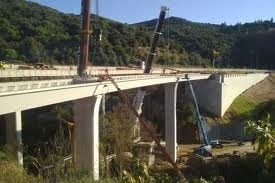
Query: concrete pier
[[86, 118], [14, 134], [171, 119], [137, 103]]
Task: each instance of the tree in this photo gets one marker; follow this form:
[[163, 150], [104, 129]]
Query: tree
[[9, 54], [265, 138], [116, 135], [33, 49]]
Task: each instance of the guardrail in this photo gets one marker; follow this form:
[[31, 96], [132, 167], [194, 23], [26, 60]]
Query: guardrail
[[28, 85], [70, 71]]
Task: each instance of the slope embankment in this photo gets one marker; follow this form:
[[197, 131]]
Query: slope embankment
[[254, 104]]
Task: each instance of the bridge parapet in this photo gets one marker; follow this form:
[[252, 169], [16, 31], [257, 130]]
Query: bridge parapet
[[234, 75], [14, 73], [29, 85], [42, 84], [17, 73]]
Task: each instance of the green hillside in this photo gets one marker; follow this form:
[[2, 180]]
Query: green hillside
[[241, 45], [33, 33]]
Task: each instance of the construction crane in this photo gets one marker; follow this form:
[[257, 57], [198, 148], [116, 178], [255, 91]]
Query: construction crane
[[85, 35], [97, 34], [205, 149], [152, 53], [138, 100]]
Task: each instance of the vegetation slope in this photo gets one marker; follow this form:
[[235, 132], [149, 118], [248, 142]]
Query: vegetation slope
[[33, 33]]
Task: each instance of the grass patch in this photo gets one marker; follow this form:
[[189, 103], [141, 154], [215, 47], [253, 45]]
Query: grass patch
[[242, 106], [11, 171]]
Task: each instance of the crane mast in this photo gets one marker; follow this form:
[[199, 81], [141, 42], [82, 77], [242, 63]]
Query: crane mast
[[138, 99], [152, 53], [85, 34]]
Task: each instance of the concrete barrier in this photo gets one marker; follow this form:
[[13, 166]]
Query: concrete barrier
[[29, 85]]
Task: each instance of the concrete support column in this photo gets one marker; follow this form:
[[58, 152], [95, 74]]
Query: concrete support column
[[171, 119], [137, 104], [86, 117], [14, 134]]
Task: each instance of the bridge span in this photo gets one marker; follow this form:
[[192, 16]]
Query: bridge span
[[215, 93]]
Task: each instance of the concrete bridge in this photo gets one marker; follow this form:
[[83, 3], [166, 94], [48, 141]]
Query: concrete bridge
[[215, 93]]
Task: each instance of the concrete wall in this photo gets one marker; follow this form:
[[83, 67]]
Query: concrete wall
[[234, 85], [216, 94], [208, 94]]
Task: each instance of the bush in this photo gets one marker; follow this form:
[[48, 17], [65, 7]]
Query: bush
[[265, 138], [11, 171]]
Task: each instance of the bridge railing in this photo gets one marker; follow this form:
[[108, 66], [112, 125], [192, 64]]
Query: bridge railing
[[38, 84], [28, 85]]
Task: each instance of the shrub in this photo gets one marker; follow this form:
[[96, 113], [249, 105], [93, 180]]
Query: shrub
[[11, 171], [265, 138]]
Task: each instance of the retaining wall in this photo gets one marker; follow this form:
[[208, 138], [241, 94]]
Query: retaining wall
[[216, 94]]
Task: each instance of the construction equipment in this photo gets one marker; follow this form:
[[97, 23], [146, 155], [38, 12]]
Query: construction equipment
[[152, 53], [145, 125], [138, 100], [85, 34], [205, 149], [97, 35]]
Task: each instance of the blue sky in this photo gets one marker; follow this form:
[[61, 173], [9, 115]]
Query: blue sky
[[208, 11]]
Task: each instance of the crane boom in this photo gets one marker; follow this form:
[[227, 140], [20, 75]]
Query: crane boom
[[138, 99], [205, 149], [152, 53], [199, 118], [85, 34]]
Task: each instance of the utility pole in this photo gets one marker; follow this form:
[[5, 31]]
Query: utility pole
[[85, 34]]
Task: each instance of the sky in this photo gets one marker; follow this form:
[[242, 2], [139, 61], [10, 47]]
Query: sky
[[206, 11]]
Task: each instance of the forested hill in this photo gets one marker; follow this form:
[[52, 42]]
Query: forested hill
[[249, 45], [33, 33]]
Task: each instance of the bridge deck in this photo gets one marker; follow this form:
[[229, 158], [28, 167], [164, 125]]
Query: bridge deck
[[32, 98]]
